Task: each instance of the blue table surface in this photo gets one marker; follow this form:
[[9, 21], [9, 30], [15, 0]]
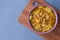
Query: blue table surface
[[10, 28]]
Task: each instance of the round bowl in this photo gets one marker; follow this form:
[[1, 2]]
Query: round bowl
[[54, 24]]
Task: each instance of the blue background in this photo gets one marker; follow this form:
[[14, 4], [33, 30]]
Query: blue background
[[10, 29]]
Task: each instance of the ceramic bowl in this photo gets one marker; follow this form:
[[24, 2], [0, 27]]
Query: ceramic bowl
[[54, 24]]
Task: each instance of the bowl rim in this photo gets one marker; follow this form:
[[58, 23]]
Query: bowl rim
[[54, 24]]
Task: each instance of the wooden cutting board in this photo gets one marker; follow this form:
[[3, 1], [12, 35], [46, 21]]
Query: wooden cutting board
[[54, 35]]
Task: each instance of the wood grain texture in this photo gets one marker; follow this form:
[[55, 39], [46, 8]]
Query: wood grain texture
[[54, 35]]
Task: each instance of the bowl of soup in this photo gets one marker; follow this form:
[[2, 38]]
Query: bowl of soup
[[42, 19]]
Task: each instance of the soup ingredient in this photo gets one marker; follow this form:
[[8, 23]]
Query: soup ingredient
[[42, 18]]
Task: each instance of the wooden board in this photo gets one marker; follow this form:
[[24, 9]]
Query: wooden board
[[54, 35]]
